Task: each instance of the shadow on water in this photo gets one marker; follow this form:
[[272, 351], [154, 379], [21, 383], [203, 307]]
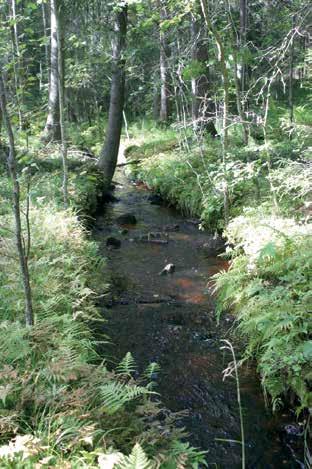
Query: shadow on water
[[169, 319]]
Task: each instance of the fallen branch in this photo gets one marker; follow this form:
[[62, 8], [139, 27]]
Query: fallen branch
[[129, 162]]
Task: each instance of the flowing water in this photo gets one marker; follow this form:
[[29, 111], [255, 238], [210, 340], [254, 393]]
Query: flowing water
[[170, 319]]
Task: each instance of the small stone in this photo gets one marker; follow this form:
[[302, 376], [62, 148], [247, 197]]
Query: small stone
[[213, 246], [168, 269], [126, 219], [155, 199], [113, 242], [175, 227]]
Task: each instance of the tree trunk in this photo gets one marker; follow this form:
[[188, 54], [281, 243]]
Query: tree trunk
[[45, 34], [163, 65], [109, 153], [225, 79], [236, 45], [17, 65], [23, 260], [242, 40], [203, 111], [52, 130], [60, 69], [291, 77]]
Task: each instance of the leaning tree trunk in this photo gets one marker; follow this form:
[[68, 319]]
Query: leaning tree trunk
[[52, 131], [109, 153], [23, 261]]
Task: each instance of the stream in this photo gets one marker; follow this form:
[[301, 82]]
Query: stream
[[170, 319]]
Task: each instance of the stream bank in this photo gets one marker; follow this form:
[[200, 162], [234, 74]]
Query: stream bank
[[171, 320]]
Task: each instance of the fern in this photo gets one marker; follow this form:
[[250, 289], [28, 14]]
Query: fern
[[127, 366], [136, 460], [151, 370], [117, 395]]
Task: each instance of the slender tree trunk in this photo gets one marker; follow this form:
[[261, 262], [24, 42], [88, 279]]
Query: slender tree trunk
[[60, 67], [52, 130], [23, 260], [203, 110], [156, 99], [45, 33], [238, 82], [225, 79], [17, 65], [163, 65], [224, 71], [109, 153], [242, 40], [291, 77]]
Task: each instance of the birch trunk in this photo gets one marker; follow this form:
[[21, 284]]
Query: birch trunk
[[23, 260], [52, 130]]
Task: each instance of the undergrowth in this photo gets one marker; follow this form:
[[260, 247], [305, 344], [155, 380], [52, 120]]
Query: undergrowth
[[59, 404], [268, 285]]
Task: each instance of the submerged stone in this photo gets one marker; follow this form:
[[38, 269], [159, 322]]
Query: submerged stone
[[155, 199], [126, 219], [113, 242]]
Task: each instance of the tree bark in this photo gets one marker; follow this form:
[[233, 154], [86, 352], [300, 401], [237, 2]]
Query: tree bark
[[109, 153], [242, 41], [291, 77], [52, 130], [163, 66], [60, 69], [45, 33], [236, 45], [23, 260], [17, 65]]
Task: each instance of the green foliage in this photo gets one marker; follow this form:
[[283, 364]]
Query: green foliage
[[127, 365], [194, 70], [268, 284], [116, 395], [269, 287], [58, 404]]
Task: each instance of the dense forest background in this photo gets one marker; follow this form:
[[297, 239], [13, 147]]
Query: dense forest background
[[215, 102]]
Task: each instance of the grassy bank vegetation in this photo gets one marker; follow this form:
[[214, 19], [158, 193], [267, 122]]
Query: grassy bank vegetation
[[60, 406], [268, 284]]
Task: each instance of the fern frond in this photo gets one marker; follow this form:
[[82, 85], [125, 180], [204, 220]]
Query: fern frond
[[136, 460], [127, 366], [151, 370], [116, 395]]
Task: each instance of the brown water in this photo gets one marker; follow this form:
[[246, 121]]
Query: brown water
[[171, 320]]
